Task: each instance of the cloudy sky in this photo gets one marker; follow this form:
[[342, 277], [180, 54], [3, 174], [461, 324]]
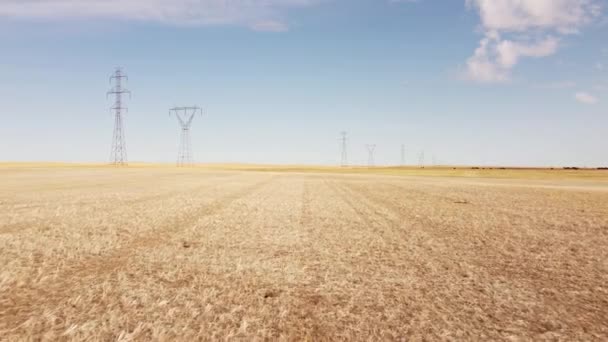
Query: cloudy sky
[[509, 82]]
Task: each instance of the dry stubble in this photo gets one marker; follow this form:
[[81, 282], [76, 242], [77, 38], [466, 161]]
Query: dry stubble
[[163, 254]]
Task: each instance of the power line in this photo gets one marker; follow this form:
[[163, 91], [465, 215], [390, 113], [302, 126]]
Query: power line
[[118, 154], [185, 116]]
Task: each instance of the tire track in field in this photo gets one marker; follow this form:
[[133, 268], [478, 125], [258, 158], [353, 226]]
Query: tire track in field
[[440, 263], [377, 197], [84, 184], [494, 206], [18, 303], [305, 212], [49, 222], [574, 312], [104, 185], [379, 227], [489, 239], [434, 270], [440, 234], [308, 298], [407, 227], [404, 258], [22, 226]]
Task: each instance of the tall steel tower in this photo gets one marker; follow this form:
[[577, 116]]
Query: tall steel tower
[[371, 149], [402, 155], [185, 115], [118, 155], [421, 159], [344, 140]]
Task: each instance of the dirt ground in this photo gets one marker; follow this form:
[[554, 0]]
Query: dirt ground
[[193, 254]]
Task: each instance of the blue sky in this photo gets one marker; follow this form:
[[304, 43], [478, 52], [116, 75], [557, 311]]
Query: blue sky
[[509, 82]]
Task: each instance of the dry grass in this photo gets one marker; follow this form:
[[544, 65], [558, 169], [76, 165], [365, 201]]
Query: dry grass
[[94, 253], [585, 174]]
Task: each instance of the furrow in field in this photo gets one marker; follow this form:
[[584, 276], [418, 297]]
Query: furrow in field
[[16, 188], [213, 279], [558, 208], [20, 221], [351, 269], [283, 256], [434, 308], [13, 197], [555, 301], [66, 235], [19, 302]]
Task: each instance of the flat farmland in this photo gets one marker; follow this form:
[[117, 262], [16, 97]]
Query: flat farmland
[[160, 253]]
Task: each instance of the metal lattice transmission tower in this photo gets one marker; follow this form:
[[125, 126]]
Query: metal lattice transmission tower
[[371, 150], [344, 140], [421, 159], [118, 155], [402, 155], [185, 115]]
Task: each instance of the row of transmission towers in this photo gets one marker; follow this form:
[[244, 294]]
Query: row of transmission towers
[[371, 153], [184, 115], [371, 149]]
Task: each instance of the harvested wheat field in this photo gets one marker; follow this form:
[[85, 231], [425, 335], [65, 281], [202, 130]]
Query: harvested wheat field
[[153, 253]]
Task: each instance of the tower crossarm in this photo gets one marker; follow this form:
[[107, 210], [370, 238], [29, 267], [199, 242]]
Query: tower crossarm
[[115, 92], [181, 113]]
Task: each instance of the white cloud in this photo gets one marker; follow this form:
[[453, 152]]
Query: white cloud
[[482, 67], [266, 15], [531, 27], [522, 15], [494, 58], [508, 52], [585, 98]]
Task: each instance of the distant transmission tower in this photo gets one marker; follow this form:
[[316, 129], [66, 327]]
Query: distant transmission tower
[[421, 159], [371, 149], [185, 115], [118, 155], [344, 140], [402, 155]]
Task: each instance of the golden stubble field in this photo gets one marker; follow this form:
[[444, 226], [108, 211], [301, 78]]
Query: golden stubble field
[[160, 253]]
